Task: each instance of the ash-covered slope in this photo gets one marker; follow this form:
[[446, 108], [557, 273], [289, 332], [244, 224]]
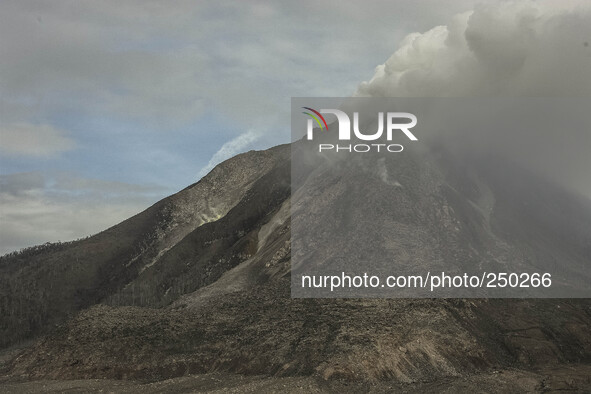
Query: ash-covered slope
[[218, 296], [42, 286], [418, 212]]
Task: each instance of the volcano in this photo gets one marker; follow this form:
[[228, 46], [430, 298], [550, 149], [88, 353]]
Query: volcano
[[194, 292]]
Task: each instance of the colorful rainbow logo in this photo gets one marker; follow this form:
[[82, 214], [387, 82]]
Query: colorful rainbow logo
[[316, 118]]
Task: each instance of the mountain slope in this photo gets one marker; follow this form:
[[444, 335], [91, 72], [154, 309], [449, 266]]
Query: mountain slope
[[43, 286]]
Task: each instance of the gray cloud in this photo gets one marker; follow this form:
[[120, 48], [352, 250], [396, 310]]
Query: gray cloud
[[17, 184], [169, 63], [25, 139], [38, 207]]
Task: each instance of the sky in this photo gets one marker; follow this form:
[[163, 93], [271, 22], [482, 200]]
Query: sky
[[108, 106]]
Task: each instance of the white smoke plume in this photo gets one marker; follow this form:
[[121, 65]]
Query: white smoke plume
[[505, 49], [499, 49]]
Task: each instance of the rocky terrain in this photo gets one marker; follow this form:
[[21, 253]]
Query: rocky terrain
[[193, 294]]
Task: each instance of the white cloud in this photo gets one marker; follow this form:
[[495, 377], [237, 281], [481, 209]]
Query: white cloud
[[33, 140]]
